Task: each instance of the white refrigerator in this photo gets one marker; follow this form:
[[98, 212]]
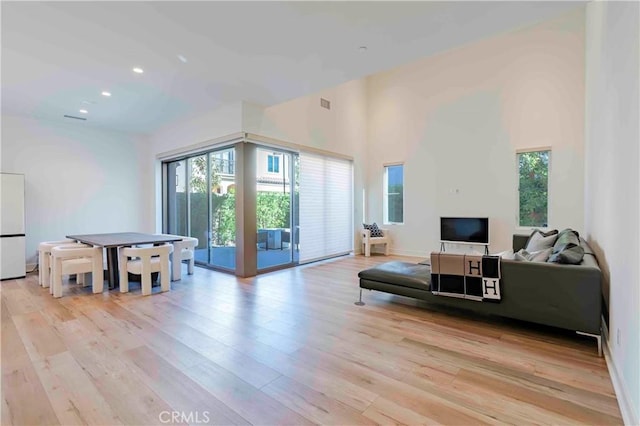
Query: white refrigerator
[[12, 235]]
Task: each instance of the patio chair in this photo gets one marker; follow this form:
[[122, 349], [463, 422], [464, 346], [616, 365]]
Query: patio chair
[[263, 238]]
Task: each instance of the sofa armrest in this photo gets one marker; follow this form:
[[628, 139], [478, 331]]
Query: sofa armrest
[[567, 296]]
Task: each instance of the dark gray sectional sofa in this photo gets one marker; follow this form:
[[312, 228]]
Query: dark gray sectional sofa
[[564, 296]]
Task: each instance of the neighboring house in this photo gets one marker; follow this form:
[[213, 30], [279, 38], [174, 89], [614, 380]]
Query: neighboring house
[[272, 172]]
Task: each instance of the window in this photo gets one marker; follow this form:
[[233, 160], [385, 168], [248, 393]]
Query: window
[[394, 194], [533, 188], [273, 164]]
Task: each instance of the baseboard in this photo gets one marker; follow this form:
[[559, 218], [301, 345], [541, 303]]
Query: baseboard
[[409, 253], [31, 267], [629, 415]]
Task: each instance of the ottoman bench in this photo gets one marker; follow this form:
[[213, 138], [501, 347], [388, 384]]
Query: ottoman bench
[[402, 278]]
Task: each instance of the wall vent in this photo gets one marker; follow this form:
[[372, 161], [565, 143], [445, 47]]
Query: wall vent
[[325, 103], [75, 118]]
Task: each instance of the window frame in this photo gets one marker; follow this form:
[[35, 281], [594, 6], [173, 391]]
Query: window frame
[[385, 193], [549, 190]]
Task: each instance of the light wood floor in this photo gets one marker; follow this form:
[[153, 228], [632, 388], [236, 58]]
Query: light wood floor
[[285, 348]]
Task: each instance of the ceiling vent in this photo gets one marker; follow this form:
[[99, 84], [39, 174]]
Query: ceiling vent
[[325, 103], [75, 118]]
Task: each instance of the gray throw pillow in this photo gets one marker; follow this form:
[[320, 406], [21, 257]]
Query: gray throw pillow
[[566, 239], [541, 240], [567, 248], [569, 256]]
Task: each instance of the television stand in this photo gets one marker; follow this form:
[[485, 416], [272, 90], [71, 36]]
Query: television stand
[[486, 247]]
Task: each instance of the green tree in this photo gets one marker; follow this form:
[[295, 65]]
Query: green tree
[[198, 181], [273, 209], [224, 219], [395, 203], [533, 187]]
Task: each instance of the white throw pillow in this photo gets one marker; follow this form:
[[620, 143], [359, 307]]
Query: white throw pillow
[[507, 254], [536, 256], [541, 241]]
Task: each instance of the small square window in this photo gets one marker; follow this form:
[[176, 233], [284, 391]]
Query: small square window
[[273, 164]]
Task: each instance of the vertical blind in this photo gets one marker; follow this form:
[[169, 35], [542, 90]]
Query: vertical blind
[[326, 207]]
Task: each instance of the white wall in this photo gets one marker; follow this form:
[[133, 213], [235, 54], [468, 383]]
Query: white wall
[[78, 180], [457, 119], [342, 129], [216, 123], [612, 194]]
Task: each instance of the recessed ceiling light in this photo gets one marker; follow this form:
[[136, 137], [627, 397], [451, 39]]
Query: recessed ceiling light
[[182, 59], [105, 93], [83, 111], [362, 49], [138, 70]]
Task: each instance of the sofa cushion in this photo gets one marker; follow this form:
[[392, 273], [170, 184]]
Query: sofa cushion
[[539, 240], [567, 248], [375, 231], [400, 273]]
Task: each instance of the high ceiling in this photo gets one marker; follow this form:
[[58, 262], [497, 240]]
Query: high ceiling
[[57, 57]]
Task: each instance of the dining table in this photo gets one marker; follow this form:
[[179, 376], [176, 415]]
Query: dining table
[[111, 242]]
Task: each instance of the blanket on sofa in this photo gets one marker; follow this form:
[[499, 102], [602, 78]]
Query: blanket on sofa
[[473, 277]]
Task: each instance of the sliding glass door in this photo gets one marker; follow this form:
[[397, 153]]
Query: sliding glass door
[[200, 193], [197, 205], [276, 212], [176, 215], [223, 209], [300, 209]]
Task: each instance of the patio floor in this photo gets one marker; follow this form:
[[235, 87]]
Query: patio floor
[[225, 257]]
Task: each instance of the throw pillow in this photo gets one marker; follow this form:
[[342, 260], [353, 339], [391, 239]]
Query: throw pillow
[[566, 239], [567, 249], [507, 254], [521, 255], [536, 256], [541, 240], [375, 231]]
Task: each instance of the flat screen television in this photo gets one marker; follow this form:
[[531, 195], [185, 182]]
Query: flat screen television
[[468, 230]]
